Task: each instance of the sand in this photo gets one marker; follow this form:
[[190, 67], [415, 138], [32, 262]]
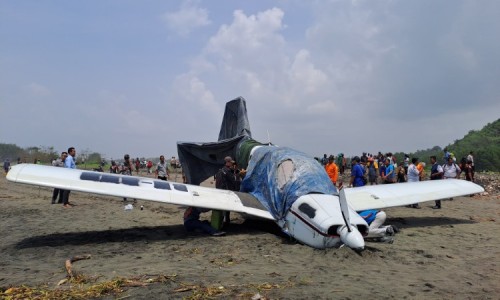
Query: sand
[[452, 253]]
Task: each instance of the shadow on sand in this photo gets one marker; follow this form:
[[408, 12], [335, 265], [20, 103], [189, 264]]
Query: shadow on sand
[[146, 233], [412, 222]]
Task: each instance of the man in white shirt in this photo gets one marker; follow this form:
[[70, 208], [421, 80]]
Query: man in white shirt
[[451, 169], [413, 176]]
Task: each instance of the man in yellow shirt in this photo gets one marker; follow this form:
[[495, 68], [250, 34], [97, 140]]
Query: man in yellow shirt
[[332, 170]]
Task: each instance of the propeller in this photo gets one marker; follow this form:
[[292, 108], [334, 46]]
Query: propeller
[[349, 234]]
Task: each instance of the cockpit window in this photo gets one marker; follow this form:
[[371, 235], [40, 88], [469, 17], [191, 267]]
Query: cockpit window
[[285, 173]]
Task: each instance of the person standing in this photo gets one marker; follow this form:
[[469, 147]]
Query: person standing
[[137, 165], [447, 154], [357, 173], [332, 170], [413, 173], [6, 165], [451, 169], [467, 170], [401, 174], [59, 162], [324, 160], [372, 171], [414, 176], [406, 163], [162, 169], [436, 174], [421, 170], [341, 163], [126, 168], [470, 160], [226, 179], [390, 173], [69, 163]]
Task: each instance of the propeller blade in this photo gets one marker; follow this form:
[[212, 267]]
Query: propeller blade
[[345, 209]]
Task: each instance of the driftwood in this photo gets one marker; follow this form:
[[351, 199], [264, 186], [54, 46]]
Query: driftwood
[[69, 262]]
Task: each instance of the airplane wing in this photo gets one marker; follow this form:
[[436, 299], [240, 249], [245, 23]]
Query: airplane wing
[[400, 194], [137, 188]]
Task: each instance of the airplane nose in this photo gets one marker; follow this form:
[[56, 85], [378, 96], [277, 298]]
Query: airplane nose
[[352, 239]]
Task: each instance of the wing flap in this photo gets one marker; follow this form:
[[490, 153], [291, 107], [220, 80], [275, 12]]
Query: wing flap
[[400, 194], [133, 187]]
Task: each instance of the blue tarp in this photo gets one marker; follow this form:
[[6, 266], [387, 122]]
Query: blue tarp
[[261, 179]]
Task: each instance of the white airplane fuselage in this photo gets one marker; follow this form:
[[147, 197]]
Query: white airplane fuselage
[[316, 220]]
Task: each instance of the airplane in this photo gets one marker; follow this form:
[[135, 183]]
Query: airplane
[[281, 184]]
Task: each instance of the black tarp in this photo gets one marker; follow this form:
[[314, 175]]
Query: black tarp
[[202, 160], [235, 121]]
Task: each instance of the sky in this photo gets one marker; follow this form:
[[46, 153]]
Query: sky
[[120, 76]]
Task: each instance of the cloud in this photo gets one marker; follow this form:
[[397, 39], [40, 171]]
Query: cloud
[[253, 57], [38, 90], [188, 18], [191, 89], [303, 73]]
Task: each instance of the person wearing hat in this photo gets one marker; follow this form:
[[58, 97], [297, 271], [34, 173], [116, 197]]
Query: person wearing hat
[[227, 178], [332, 170]]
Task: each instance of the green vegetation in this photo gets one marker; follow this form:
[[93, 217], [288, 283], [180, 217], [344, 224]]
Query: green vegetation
[[27, 155], [44, 154], [485, 144]]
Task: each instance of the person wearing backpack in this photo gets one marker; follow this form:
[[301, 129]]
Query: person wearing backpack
[[451, 169]]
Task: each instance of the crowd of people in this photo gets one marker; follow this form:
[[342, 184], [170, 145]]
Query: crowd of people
[[385, 169]]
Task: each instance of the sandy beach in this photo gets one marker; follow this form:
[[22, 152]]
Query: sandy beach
[[452, 253]]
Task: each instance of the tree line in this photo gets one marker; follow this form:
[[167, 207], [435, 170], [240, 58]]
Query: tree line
[[484, 143], [44, 154]]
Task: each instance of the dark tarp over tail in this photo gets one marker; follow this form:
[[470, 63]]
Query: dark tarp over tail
[[235, 121], [202, 160]]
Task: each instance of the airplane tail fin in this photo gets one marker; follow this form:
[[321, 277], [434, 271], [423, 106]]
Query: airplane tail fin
[[235, 121], [200, 161]]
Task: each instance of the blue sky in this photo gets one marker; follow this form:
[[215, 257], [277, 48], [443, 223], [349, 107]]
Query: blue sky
[[320, 76]]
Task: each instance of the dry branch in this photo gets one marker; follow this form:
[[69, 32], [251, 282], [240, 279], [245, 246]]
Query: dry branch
[[69, 262]]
